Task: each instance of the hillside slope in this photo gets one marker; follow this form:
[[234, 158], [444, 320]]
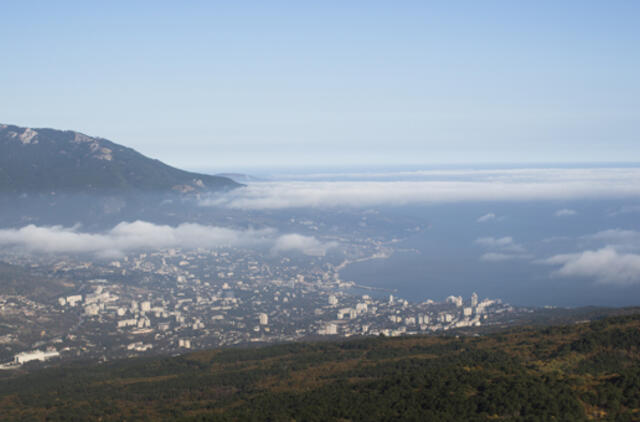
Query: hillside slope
[[46, 160], [588, 371]]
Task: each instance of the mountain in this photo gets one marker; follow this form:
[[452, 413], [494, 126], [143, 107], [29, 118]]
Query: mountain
[[582, 371], [48, 160]]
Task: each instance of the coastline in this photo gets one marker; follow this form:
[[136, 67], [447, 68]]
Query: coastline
[[383, 254]]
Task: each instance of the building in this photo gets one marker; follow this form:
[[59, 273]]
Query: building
[[330, 329], [445, 317], [92, 309], [145, 306], [264, 319], [73, 300], [139, 347], [347, 312], [456, 300], [474, 300], [25, 357], [127, 323]]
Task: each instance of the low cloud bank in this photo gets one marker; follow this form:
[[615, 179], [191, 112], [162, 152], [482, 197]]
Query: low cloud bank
[[612, 258], [532, 174], [439, 187], [310, 245], [141, 235], [605, 265]]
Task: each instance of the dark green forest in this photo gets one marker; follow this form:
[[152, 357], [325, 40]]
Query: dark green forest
[[586, 371]]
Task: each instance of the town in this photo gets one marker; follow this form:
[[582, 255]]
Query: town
[[172, 301]]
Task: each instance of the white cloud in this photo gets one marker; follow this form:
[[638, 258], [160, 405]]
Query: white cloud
[[503, 243], [437, 187], [627, 209], [621, 240], [606, 265], [501, 249], [500, 257], [565, 212], [487, 217], [616, 235], [144, 235], [306, 244], [555, 239]]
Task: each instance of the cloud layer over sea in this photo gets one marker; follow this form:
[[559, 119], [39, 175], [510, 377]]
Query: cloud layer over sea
[[433, 186]]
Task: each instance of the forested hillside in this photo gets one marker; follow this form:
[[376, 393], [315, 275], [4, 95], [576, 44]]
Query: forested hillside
[[588, 371]]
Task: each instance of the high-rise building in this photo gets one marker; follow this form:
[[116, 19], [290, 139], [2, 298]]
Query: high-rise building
[[474, 300]]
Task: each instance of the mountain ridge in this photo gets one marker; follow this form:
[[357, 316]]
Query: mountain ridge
[[40, 160]]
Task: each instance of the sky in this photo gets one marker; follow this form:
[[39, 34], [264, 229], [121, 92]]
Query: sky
[[238, 85]]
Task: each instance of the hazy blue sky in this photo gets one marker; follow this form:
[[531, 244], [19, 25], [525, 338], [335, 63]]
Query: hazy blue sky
[[241, 84]]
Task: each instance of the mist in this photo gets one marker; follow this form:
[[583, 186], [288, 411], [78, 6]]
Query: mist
[[142, 235], [433, 187]]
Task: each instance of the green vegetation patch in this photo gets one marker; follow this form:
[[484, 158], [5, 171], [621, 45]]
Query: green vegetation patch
[[569, 373]]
